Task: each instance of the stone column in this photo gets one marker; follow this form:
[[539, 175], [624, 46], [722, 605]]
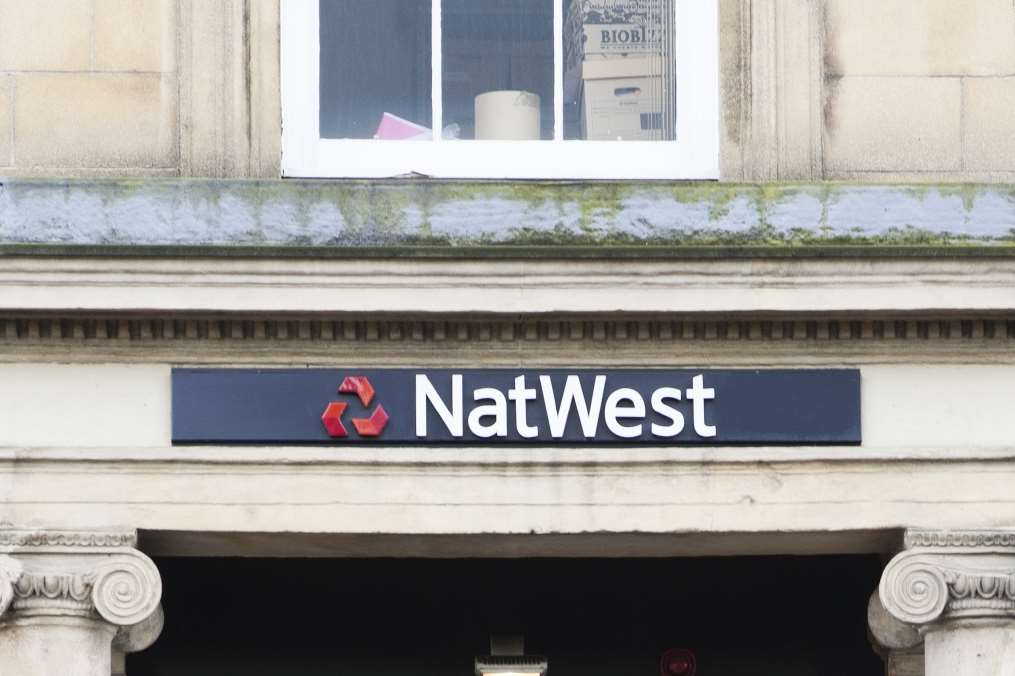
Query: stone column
[[899, 644], [957, 588], [68, 599]]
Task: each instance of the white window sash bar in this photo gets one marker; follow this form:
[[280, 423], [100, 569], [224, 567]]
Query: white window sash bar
[[436, 71], [558, 70]]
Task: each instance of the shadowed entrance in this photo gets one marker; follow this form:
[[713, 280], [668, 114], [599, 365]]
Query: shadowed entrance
[[742, 616]]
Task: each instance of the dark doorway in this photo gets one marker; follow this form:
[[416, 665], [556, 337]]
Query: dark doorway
[[745, 616]]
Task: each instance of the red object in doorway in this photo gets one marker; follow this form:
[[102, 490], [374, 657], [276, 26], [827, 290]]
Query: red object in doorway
[[677, 662]]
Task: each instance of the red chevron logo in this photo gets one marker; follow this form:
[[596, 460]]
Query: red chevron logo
[[332, 419], [359, 385], [371, 426]]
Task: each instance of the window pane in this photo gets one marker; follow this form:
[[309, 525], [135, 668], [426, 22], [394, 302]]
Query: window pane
[[498, 69], [375, 69], [619, 70]]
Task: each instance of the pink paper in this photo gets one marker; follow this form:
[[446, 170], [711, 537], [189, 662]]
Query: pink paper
[[394, 128]]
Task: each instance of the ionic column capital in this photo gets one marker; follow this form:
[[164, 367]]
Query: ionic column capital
[[951, 575], [96, 575]]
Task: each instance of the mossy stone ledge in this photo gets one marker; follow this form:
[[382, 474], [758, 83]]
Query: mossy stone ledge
[[509, 219]]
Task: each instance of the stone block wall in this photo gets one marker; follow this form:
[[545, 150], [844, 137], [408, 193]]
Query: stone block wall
[[88, 86], [139, 88], [864, 90], [915, 87]]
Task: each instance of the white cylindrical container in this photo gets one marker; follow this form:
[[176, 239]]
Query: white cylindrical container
[[507, 116]]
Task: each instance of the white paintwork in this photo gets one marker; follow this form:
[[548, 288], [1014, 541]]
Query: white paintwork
[[84, 406], [971, 649], [694, 155], [532, 287], [958, 406]]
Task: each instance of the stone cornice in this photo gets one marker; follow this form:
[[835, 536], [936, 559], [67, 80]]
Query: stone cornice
[[945, 575], [83, 574], [960, 539], [14, 540], [383, 460], [374, 289], [160, 329]]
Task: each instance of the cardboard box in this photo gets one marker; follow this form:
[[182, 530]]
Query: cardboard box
[[612, 29], [623, 100], [598, 28]]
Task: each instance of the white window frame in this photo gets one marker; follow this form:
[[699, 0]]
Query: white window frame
[[694, 155]]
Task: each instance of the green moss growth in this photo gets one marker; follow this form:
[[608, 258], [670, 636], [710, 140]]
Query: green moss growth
[[594, 216]]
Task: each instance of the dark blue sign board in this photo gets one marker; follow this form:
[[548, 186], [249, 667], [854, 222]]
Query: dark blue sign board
[[509, 406]]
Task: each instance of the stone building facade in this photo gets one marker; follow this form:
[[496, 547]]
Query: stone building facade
[[863, 219]]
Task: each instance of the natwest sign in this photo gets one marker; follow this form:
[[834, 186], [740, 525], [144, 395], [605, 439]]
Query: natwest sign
[[520, 406], [624, 411]]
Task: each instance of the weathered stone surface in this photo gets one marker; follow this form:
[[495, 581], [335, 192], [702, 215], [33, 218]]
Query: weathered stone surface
[[971, 649], [905, 663], [989, 124], [770, 83], [93, 120], [958, 587], [230, 98], [213, 112], [927, 37], [129, 34], [51, 35], [758, 498], [894, 124], [890, 632], [65, 594], [6, 120], [457, 216], [72, 646]]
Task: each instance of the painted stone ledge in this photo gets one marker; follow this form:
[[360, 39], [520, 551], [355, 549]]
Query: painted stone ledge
[[454, 218]]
